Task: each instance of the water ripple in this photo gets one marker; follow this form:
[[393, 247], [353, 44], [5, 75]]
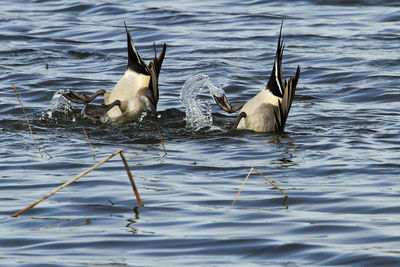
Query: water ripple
[[337, 160]]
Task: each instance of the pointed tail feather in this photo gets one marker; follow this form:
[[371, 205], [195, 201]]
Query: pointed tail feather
[[154, 84], [275, 83], [135, 62], [160, 58], [154, 70]]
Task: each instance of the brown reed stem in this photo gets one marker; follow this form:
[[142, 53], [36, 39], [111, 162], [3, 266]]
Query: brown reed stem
[[90, 144], [161, 139], [274, 185], [128, 171], [268, 180], [26, 118], [67, 183], [240, 190]]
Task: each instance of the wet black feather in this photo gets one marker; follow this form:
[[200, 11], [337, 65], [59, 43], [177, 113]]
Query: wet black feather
[[275, 83], [135, 62]]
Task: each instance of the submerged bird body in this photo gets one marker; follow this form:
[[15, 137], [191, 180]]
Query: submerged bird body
[[269, 109], [135, 93]]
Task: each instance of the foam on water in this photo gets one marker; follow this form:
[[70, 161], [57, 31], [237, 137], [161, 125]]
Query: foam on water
[[198, 111]]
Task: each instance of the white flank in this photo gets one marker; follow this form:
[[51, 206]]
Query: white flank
[[260, 112], [128, 90]]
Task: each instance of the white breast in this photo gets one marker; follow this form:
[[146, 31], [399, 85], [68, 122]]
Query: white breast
[[128, 90], [260, 112]]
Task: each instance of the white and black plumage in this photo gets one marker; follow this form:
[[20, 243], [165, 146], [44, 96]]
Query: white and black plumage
[[269, 109], [136, 92]]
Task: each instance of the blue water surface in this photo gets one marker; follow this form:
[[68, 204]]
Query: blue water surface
[[338, 159]]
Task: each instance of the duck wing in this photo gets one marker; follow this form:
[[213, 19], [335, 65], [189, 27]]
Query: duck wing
[[282, 112]]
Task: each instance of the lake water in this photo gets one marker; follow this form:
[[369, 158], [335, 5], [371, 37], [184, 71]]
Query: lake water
[[338, 159]]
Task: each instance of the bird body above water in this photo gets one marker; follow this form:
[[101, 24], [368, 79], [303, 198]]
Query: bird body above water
[[269, 109], [259, 112], [132, 91], [134, 94]]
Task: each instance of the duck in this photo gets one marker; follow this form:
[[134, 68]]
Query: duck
[[269, 109], [134, 94]]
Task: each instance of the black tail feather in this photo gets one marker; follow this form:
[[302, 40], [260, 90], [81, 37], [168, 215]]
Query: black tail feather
[[135, 62], [154, 69], [275, 83]]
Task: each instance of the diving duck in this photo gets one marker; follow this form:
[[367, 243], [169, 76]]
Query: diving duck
[[269, 109], [135, 93]]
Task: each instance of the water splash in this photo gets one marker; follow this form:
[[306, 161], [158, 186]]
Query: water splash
[[198, 111], [59, 104]]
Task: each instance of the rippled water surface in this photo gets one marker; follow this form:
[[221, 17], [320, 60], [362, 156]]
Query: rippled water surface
[[338, 159]]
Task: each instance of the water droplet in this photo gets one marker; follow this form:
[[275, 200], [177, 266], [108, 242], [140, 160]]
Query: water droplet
[[198, 111]]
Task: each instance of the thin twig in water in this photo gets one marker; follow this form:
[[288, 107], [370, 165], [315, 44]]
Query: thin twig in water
[[90, 144], [161, 139], [269, 181], [240, 190], [26, 118], [128, 171], [45, 63], [66, 184], [75, 179]]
